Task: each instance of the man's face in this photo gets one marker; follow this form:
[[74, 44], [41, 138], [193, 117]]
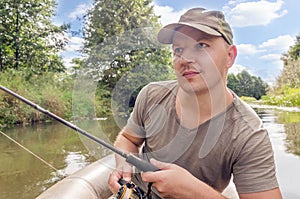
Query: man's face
[[201, 61]]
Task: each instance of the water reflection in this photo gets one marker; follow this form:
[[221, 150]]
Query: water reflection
[[283, 128], [105, 130], [24, 176], [288, 122]]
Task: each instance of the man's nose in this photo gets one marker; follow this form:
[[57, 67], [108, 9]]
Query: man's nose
[[187, 58]]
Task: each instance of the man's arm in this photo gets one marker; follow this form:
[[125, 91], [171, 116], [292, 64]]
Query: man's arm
[[173, 181], [274, 194], [128, 143]]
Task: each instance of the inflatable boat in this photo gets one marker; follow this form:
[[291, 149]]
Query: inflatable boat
[[87, 183], [91, 183]]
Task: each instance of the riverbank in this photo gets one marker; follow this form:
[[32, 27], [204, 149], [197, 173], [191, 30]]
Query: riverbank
[[266, 102], [55, 92], [50, 91]]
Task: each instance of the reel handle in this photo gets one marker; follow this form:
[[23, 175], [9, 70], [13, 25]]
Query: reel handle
[[121, 181]]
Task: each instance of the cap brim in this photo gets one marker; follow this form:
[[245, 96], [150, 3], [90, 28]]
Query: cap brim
[[166, 34]]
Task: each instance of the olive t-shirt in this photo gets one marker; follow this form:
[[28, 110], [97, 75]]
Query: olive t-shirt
[[233, 143]]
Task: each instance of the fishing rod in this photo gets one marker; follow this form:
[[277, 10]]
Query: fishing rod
[[140, 164]]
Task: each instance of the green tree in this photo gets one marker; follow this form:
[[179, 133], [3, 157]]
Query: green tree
[[286, 91], [260, 88], [290, 75], [244, 84], [29, 40], [233, 83], [294, 51], [121, 46]]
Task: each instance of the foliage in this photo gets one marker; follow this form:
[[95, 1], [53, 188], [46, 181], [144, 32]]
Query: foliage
[[290, 75], [29, 40], [294, 51], [243, 84], [286, 92], [285, 96], [109, 18], [293, 138], [50, 90], [249, 99], [120, 43]]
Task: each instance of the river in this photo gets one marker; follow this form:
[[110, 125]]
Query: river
[[22, 175]]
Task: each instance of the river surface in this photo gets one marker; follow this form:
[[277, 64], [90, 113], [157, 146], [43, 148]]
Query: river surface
[[22, 175]]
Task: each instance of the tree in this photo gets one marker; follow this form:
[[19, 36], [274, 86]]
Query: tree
[[233, 83], [29, 40], [110, 18], [294, 51], [121, 46], [244, 84], [286, 91], [290, 75]]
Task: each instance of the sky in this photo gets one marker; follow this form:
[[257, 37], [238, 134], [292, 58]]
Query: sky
[[263, 29]]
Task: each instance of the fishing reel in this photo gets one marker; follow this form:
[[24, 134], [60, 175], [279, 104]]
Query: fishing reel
[[130, 191]]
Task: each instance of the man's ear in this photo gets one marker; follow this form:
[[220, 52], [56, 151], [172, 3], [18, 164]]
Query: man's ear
[[232, 53]]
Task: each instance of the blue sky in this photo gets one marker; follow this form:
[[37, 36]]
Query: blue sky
[[263, 29]]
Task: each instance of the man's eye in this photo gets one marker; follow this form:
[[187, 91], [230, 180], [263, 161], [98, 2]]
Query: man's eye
[[178, 51], [201, 45]]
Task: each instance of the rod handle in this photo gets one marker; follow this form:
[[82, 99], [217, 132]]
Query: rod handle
[[140, 164]]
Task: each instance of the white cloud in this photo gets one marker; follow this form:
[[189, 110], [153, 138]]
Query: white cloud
[[79, 11], [274, 61], [281, 43], [271, 57], [75, 44], [247, 49], [253, 13], [235, 2], [72, 50], [237, 68], [68, 62], [167, 13]]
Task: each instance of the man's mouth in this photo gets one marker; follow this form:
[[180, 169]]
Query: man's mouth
[[190, 74]]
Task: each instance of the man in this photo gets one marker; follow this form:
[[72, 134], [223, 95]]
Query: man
[[195, 130]]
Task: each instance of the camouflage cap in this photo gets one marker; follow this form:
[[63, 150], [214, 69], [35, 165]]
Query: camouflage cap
[[210, 22]]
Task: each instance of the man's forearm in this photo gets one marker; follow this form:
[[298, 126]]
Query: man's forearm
[[126, 145], [207, 192]]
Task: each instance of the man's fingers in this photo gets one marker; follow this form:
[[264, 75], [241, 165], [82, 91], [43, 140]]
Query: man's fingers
[[124, 172], [157, 175], [127, 172], [159, 164], [113, 181]]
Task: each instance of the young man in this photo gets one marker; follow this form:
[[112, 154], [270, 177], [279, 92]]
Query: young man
[[195, 130]]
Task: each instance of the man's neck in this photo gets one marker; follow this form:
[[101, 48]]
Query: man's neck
[[194, 109]]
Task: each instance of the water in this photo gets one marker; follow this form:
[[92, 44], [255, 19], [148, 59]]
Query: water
[[24, 176], [284, 130]]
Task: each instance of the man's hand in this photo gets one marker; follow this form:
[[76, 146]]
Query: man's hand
[[173, 181], [124, 172], [127, 142]]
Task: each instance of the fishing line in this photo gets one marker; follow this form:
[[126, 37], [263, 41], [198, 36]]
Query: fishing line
[[23, 147], [140, 164]]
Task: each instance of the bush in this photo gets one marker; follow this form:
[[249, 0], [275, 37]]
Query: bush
[[249, 99], [49, 90], [286, 96]]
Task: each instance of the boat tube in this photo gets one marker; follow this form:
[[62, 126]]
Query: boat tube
[[90, 182], [87, 183]]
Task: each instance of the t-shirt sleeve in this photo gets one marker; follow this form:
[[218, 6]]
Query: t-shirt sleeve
[[135, 123], [254, 169]]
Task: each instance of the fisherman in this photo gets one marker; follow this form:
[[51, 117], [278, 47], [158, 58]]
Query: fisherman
[[195, 129]]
